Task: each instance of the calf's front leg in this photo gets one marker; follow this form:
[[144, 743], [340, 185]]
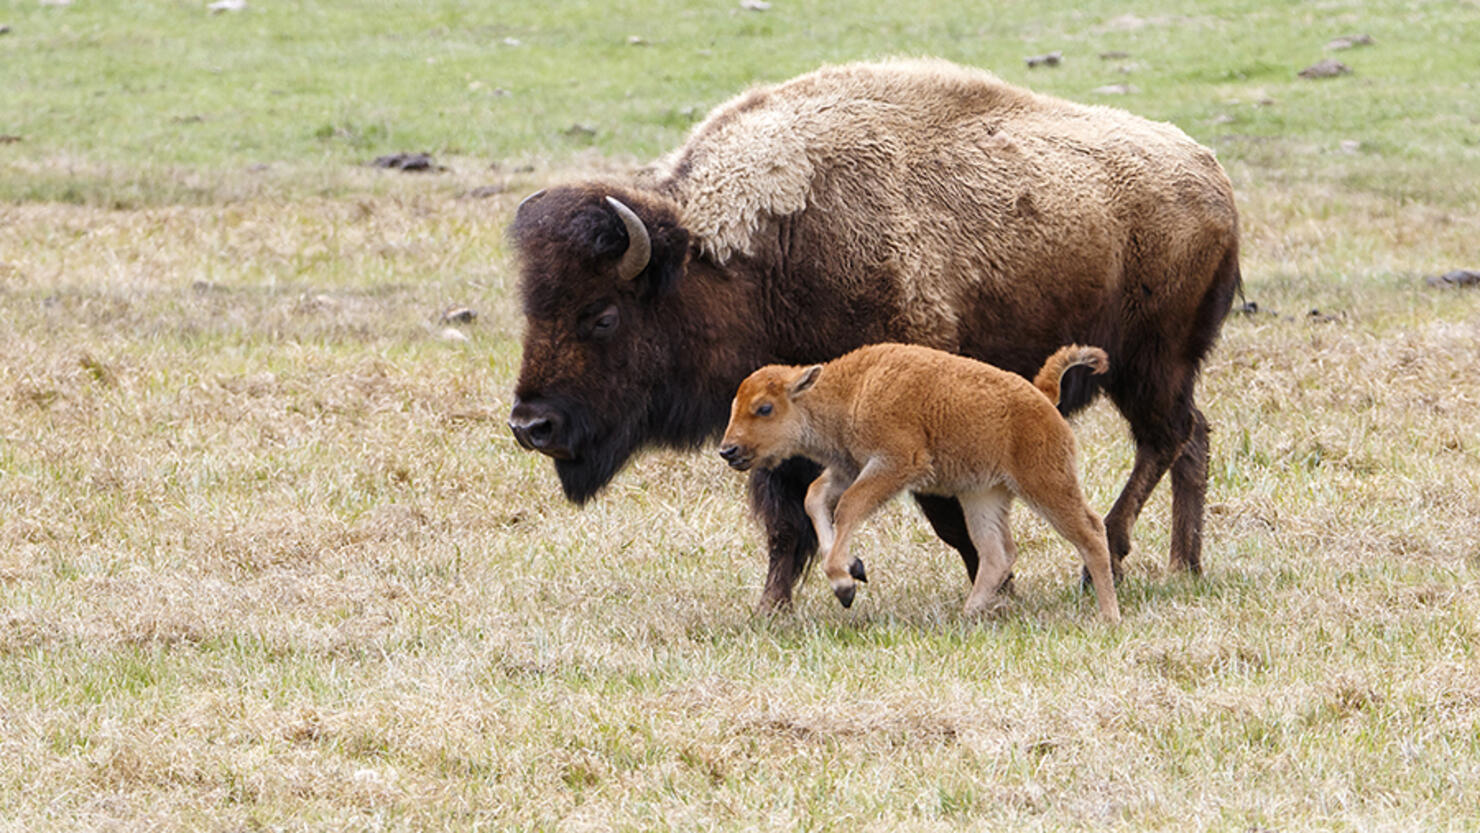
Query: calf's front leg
[[878, 482], [821, 502]]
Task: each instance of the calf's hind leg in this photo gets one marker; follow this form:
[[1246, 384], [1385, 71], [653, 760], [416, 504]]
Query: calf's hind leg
[[986, 518], [1054, 493]]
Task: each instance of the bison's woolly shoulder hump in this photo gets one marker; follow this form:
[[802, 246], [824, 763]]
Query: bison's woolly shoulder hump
[[764, 153]]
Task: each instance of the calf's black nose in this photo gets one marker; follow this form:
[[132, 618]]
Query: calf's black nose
[[736, 456]]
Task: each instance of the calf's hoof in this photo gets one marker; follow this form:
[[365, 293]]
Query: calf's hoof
[[987, 608], [1006, 588], [856, 570], [845, 594]]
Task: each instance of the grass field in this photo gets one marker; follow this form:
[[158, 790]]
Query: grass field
[[270, 560]]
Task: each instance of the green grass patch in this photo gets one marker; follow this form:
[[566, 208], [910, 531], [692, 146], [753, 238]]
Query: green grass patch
[[269, 558]]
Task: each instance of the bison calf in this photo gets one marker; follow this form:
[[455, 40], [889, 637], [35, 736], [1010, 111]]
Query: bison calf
[[891, 417]]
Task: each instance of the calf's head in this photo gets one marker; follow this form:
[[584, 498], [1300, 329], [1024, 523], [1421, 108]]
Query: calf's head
[[767, 425], [598, 271]]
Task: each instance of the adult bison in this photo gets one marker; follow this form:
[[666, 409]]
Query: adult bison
[[914, 201]]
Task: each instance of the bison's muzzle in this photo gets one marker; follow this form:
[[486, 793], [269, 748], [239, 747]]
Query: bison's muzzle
[[539, 426]]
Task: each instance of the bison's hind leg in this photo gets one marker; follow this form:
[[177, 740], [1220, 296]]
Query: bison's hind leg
[[1153, 387], [1189, 497], [1170, 433]]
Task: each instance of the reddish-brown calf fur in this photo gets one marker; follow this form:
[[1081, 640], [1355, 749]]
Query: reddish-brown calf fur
[[891, 417]]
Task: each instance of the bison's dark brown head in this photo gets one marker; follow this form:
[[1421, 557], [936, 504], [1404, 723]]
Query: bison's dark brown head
[[603, 351]]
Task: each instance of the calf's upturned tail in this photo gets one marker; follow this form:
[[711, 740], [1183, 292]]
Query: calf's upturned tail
[[1064, 358]]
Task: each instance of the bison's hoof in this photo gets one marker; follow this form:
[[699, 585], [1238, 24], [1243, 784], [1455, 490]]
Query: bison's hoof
[[856, 570], [845, 594], [770, 606]]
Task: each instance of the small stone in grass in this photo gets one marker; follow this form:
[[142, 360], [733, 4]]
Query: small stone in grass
[[459, 315], [1048, 59], [1349, 41], [1326, 68], [483, 192], [1455, 279], [410, 162]]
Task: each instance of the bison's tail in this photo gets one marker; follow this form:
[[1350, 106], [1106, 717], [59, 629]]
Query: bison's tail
[[1064, 358]]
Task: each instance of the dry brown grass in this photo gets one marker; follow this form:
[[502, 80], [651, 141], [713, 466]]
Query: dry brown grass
[[269, 560]]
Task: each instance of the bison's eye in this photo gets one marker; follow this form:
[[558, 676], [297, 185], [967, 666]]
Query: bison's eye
[[606, 322], [764, 409]]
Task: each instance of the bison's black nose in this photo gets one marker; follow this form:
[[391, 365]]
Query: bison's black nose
[[539, 427]]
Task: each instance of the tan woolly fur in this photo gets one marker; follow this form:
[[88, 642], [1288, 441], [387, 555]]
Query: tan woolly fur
[[997, 149]]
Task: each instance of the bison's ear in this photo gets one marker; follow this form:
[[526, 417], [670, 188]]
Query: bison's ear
[[804, 381], [670, 253]]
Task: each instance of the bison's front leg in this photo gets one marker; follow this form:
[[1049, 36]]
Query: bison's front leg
[[777, 496], [949, 522]]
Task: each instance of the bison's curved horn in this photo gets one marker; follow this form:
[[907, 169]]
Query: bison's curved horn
[[529, 199], [639, 245]]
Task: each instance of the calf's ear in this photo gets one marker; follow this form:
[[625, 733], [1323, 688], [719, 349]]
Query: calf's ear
[[804, 381]]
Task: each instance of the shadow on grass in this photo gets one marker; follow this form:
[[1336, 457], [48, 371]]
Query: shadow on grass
[[1039, 611]]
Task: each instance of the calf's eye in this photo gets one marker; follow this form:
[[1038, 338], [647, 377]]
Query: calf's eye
[[763, 410]]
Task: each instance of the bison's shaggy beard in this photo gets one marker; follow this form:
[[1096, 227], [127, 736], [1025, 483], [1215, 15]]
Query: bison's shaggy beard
[[681, 417], [598, 452]]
